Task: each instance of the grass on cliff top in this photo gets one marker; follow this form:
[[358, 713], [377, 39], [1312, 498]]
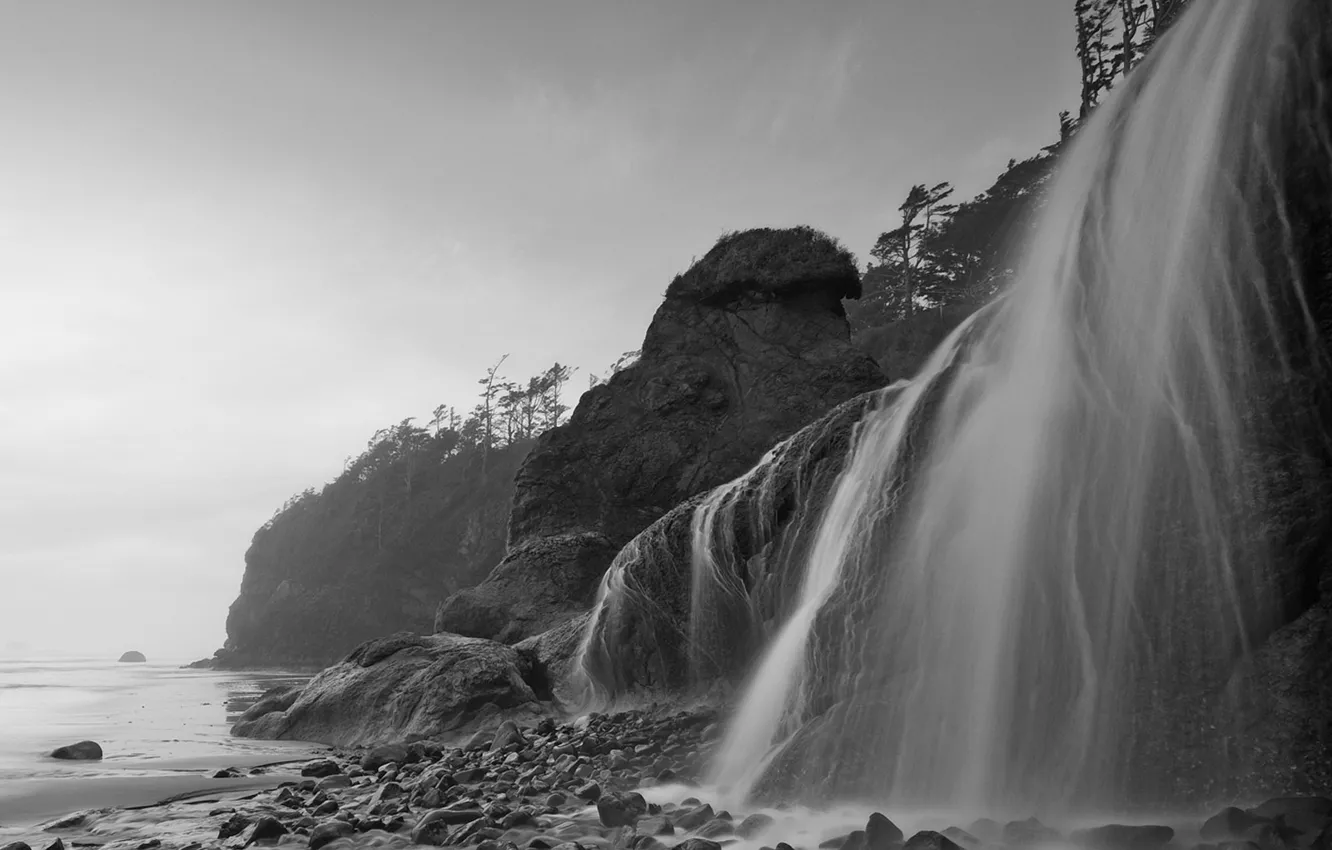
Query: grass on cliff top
[[767, 261]]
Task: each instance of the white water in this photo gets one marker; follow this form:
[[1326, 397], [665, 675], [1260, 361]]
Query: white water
[[1069, 537]]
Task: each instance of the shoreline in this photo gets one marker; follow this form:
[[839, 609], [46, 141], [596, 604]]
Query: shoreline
[[627, 781]]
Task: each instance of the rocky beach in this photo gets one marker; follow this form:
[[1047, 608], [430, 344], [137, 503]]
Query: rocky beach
[[625, 781]]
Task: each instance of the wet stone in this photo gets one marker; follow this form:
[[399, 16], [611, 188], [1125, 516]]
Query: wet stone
[[697, 844], [930, 840], [329, 831], [696, 817], [267, 828], [233, 825], [590, 792], [716, 828], [881, 833], [320, 767]]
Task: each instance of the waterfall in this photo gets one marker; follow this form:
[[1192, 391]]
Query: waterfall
[[1031, 546]]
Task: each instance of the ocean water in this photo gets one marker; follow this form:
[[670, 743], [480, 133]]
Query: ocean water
[[164, 731]]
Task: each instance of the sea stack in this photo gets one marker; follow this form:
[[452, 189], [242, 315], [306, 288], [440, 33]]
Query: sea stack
[[132, 657]]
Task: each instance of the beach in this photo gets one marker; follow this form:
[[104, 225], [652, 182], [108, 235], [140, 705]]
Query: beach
[[164, 732]]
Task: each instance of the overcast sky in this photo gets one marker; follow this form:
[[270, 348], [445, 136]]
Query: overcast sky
[[238, 237]]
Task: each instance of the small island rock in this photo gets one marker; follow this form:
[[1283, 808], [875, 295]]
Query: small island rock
[[83, 751], [132, 657]]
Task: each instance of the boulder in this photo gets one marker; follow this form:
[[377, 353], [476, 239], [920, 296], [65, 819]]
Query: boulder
[[750, 344], [132, 657], [1228, 823], [881, 833], [328, 832], [930, 840], [404, 686], [82, 751]]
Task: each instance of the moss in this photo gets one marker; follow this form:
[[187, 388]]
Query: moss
[[767, 263]]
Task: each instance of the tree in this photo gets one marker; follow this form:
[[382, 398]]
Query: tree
[[552, 382], [491, 386]]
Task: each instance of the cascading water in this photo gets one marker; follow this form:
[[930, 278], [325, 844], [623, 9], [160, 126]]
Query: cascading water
[[1034, 543]]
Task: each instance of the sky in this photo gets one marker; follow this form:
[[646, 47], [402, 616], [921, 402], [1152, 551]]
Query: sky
[[237, 237]]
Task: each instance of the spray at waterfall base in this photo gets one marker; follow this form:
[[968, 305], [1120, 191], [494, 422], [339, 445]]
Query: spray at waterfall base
[[1044, 572]]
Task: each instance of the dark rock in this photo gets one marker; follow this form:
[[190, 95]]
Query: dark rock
[[621, 809], [589, 791], [645, 842], [1266, 836], [329, 831], [716, 828], [507, 734], [234, 825], [1124, 837], [404, 686], [1285, 807], [82, 751], [753, 825], [227, 773], [750, 344], [556, 800], [132, 657], [697, 844], [1230, 822], [881, 833], [962, 837], [58, 844], [694, 818], [320, 768], [384, 754], [433, 827], [326, 808], [267, 828], [16, 845], [332, 783], [930, 840]]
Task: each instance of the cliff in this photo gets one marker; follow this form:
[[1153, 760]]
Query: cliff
[[750, 344], [371, 554]]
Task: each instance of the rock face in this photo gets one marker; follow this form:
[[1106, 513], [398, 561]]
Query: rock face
[[325, 576], [749, 345], [400, 687], [132, 657]]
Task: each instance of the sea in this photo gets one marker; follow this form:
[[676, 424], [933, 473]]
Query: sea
[[163, 729]]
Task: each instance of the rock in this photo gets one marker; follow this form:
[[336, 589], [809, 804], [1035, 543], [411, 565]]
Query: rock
[[621, 809], [1266, 836], [881, 833], [589, 791], [16, 845], [508, 733], [556, 800], [697, 844], [320, 768], [962, 837], [1124, 837], [404, 686], [58, 844], [750, 344], [82, 751], [716, 828], [655, 825], [1230, 822], [132, 657], [267, 828], [930, 840], [384, 754], [433, 827], [694, 818], [753, 825], [233, 825], [309, 599], [1301, 814], [227, 773], [334, 782], [329, 831]]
